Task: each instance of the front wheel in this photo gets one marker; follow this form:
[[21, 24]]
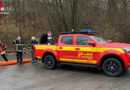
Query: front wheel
[[50, 62], [113, 67]]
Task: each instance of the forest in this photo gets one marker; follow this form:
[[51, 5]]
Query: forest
[[109, 18]]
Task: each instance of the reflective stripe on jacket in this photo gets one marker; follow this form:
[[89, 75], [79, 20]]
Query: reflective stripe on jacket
[[2, 52], [20, 47], [2, 48]]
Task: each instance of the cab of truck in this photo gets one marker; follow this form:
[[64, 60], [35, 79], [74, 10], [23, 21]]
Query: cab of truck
[[85, 49]]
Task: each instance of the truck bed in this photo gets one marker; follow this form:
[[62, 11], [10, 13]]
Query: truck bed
[[40, 49]]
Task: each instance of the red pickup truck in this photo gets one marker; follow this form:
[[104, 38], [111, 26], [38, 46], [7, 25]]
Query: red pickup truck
[[84, 48]]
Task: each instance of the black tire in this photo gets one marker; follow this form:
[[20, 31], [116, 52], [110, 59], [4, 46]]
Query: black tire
[[113, 67], [50, 62]]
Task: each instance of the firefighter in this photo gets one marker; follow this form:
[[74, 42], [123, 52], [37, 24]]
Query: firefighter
[[20, 48], [2, 51], [32, 43]]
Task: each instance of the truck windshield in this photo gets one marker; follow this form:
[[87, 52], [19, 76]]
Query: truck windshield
[[98, 39]]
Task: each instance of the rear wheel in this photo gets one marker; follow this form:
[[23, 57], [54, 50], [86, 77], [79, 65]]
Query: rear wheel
[[50, 62], [113, 67]]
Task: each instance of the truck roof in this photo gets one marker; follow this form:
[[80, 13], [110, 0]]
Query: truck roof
[[88, 32]]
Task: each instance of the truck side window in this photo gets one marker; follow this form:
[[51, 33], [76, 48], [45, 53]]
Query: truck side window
[[81, 40], [68, 40]]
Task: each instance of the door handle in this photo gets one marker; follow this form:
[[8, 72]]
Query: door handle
[[77, 48], [60, 47]]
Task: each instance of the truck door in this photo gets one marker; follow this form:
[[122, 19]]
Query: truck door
[[83, 52], [66, 49]]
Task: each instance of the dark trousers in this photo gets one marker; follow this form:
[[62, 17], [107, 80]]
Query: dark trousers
[[4, 57], [19, 57], [32, 56]]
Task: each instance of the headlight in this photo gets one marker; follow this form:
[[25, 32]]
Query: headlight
[[127, 50]]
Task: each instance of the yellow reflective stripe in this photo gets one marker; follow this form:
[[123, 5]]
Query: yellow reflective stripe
[[38, 57], [19, 44], [3, 52], [104, 49], [99, 49], [63, 59], [67, 48], [91, 49], [78, 61], [46, 47]]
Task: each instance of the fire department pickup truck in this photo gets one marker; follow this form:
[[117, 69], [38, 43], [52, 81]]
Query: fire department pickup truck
[[84, 48]]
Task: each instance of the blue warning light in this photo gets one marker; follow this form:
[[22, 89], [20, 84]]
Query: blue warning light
[[87, 30]]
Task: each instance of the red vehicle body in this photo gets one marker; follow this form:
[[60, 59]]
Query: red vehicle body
[[85, 49]]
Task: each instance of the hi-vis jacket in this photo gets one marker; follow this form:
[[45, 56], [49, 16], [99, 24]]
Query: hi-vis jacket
[[2, 48], [20, 47]]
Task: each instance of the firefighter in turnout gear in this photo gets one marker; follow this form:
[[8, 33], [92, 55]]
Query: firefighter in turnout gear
[[20, 47], [2, 51], [32, 43]]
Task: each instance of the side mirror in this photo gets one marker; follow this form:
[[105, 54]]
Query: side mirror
[[91, 43], [109, 41]]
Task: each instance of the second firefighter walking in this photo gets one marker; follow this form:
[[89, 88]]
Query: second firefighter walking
[[20, 48]]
